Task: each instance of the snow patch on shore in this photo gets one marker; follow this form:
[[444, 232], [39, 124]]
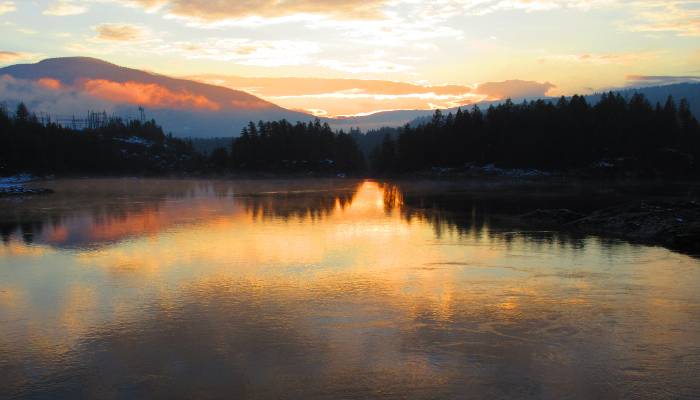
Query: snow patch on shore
[[15, 180]]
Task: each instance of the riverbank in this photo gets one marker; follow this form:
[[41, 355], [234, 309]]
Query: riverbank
[[674, 224], [652, 212]]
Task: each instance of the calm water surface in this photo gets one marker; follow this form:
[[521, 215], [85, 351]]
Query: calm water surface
[[328, 289]]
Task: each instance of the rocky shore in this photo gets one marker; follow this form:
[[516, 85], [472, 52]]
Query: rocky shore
[[16, 186], [673, 224]]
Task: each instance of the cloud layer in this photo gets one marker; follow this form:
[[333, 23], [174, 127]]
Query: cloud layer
[[207, 10], [343, 97], [50, 95], [147, 95]]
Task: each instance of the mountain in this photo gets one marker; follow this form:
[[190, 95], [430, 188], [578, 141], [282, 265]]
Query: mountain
[[378, 120], [63, 87]]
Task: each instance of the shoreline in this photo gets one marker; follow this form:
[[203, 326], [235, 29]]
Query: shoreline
[[644, 211], [674, 224]]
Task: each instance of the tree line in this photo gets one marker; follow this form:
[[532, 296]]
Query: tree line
[[616, 135], [281, 146], [633, 136], [118, 146], [115, 147]]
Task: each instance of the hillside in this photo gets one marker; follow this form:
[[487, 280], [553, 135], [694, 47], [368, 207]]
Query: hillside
[[63, 87]]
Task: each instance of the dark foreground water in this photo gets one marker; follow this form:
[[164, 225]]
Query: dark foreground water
[[330, 289]]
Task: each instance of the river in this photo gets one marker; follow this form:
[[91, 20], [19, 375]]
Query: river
[[328, 289]]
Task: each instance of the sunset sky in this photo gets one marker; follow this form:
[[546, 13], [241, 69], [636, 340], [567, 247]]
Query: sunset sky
[[361, 56]]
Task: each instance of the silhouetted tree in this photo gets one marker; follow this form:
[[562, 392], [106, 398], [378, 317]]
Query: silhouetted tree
[[117, 146], [631, 137], [282, 146], [218, 159], [384, 159], [22, 114]]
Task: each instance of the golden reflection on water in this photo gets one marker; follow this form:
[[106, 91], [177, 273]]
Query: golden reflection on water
[[334, 290]]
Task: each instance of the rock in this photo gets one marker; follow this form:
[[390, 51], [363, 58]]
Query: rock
[[673, 224]]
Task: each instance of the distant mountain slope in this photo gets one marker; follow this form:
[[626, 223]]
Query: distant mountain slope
[[378, 120], [74, 85], [689, 91]]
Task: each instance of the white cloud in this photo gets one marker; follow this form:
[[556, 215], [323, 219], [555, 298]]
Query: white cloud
[[7, 7], [601, 59], [681, 17], [125, 38], [27, 31], [483, 7], [63, 8], [371, 67], [267, 53]]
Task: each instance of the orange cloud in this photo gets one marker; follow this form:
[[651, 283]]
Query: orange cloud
[[119, 32], [150, 95], [295, 86], [207, 10], [49, 83], [513, 89], [14, 56]]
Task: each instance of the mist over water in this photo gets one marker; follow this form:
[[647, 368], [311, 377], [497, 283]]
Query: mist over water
[[132, 288]]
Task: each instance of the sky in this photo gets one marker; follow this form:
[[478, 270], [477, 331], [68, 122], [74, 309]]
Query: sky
[[353, 57]]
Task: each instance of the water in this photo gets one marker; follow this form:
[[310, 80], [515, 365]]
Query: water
[[330, 289]]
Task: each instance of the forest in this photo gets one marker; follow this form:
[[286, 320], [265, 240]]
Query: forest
[[617, 136], [114, 146], [632, 137], [282, 146]]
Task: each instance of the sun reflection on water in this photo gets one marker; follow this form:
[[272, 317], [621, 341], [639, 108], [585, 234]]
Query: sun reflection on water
[[345, 283]]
